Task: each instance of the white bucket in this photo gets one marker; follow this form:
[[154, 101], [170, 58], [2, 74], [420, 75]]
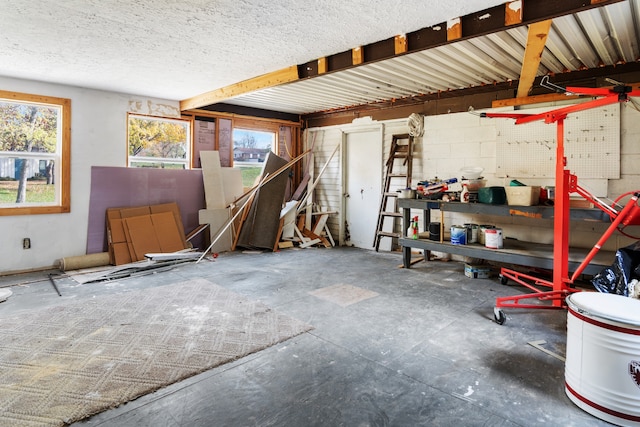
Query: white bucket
[[493, 238], [602, 371]]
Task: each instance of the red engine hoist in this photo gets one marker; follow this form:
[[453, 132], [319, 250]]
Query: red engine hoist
[[565, 184]]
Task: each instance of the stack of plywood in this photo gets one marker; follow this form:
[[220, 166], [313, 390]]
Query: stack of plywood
[[135, 231]]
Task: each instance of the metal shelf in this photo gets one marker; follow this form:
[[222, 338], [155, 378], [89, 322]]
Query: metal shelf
[[536, 212], [515, 251]]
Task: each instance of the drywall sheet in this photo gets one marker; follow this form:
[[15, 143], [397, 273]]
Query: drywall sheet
[[122, 187], [212, 178], [232, 185], [260, 229], [217, 219], [591, 145]]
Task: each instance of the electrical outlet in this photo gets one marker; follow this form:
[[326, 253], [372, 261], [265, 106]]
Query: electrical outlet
[[26, 243]]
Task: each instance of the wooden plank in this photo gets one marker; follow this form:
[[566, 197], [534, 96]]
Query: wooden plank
[[454, 29], [400, 43], [413, 261], [286, 75], [243, 218], [513, 12], [536, 40], [357, 55], [535, 99], [320, 222], [199, 229], [322, 65], [548, 97], [309, 243]]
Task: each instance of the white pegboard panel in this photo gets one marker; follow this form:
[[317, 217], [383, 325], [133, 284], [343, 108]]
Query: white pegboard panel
[[591, 145]]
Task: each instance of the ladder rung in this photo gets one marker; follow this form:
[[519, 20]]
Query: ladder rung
[[394, 194], [388, 234], [394, 214], [397, 175]]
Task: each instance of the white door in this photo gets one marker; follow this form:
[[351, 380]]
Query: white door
[[363, 186]]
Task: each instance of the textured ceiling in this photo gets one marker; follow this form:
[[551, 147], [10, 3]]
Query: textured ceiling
[[178, 49]]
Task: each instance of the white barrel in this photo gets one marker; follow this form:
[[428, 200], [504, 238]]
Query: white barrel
[[493, 238], [602, 370]]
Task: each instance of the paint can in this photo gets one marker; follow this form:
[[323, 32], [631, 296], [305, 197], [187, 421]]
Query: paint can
[[458, 235], [493, 238], [472, 233], [602, 370], [481, 230], [434, 231]]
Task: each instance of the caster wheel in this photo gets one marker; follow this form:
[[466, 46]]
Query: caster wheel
[[498, 316], [503, 280]]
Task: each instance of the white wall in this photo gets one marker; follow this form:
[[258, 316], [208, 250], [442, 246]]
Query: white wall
[[452, 141], [98, 138]]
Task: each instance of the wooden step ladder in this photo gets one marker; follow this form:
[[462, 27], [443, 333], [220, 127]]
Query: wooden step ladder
[[401, 149]]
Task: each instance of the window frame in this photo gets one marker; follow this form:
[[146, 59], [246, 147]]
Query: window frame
[[64, 203], [187, 161]]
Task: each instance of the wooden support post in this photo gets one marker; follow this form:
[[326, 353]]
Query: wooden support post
[[454, 29], [513, 12], [322, 65], [357, 55], [400, 43]]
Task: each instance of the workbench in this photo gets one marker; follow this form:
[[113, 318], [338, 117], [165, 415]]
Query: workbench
[[516, 252]]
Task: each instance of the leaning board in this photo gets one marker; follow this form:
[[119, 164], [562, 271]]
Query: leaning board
[[591, 145]]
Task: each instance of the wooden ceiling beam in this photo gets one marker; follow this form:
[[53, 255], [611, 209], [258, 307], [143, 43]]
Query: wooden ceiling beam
[[536, 40], [286, 75]]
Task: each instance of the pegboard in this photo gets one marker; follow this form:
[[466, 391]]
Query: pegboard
[[591, 145]]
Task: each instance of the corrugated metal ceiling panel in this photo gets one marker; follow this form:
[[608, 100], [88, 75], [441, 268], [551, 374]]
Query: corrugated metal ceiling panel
[[589, 39]]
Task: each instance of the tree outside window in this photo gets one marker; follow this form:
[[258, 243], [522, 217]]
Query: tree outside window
[[159, 142], [34, 154]]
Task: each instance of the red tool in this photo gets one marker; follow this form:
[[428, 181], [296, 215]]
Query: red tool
[[566, 183]]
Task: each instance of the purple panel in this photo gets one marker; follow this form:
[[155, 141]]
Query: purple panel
[[114, 187]]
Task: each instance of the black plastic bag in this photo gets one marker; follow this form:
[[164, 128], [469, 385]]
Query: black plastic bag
[[616, 279]]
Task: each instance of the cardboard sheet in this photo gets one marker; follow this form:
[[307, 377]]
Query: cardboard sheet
[[134, 231]]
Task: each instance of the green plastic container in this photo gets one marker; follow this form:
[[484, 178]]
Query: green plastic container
[[492, 195]]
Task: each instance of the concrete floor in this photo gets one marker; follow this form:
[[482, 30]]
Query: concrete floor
[[424, 352]]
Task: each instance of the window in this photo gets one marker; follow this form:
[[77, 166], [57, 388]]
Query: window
[[35, 145], [156, 142], [250, 149]]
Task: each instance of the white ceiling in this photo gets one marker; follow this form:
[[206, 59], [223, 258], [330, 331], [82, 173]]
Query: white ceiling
[[179, 49]]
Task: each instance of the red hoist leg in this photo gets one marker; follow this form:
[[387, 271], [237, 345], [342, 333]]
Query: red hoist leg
[[561, 216]]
